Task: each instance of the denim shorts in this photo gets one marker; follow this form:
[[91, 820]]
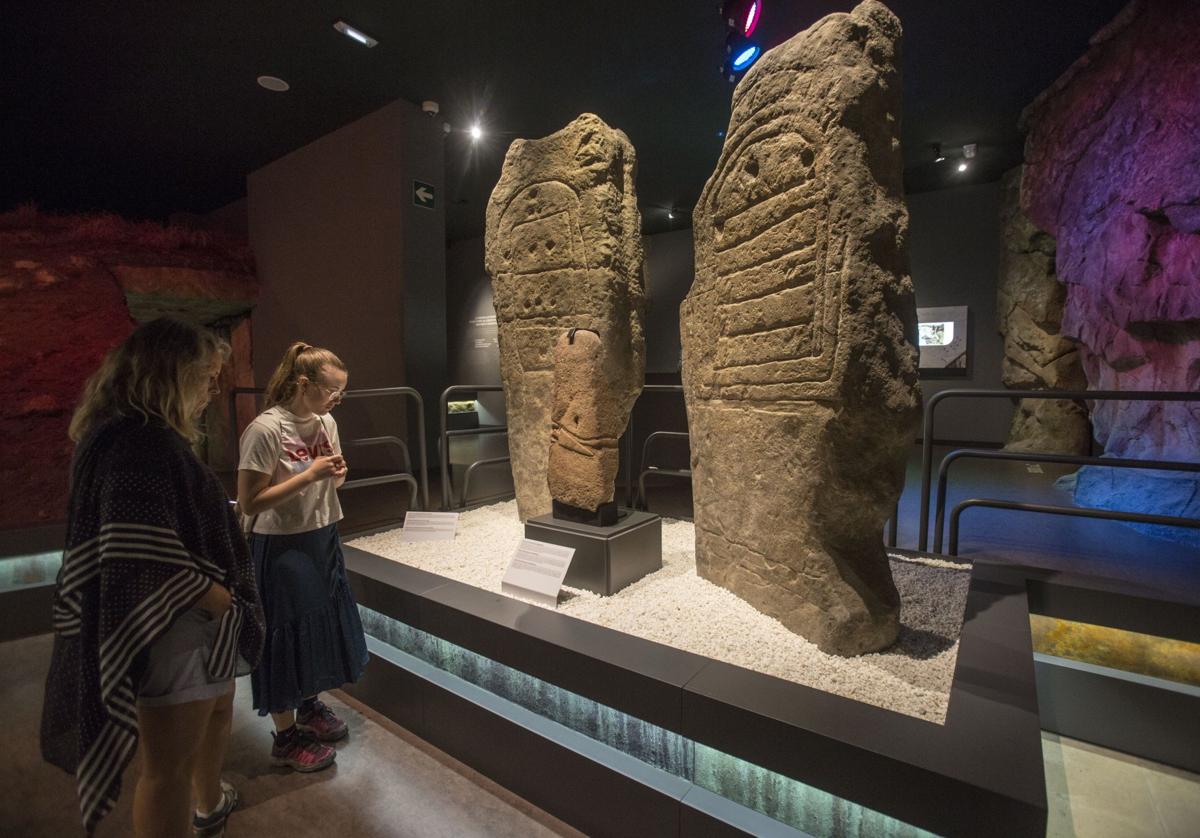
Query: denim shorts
[[177, 663]]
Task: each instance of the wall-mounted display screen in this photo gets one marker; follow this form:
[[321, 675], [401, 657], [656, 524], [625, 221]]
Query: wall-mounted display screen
[[942, 339]]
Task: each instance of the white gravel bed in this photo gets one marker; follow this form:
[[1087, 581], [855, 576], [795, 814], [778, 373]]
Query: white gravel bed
[[676, 607]]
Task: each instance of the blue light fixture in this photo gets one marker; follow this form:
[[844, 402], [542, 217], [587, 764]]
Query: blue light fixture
[[745, 58]]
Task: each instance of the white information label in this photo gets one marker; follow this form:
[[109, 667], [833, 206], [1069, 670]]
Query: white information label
[[537, 571], [429, 526]]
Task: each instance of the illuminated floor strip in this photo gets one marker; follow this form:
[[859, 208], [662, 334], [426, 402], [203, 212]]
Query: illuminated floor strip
[[718, 784], [661, 781]]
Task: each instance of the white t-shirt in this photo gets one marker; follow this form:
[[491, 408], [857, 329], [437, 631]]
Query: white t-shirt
[[281, 444]]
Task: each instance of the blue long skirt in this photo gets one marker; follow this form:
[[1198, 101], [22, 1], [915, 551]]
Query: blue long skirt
[[315, 639]]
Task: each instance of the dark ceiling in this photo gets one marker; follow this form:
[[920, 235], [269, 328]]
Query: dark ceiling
[[146, 108]]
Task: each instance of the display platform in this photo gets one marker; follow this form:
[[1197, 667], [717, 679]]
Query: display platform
[[676, 607], [606, 559], [569, 714], [29, 563]]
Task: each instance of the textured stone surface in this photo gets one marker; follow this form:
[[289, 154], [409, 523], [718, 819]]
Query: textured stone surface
[[1029, 305], [586, 422], [1113, 173], [564, 250], [71, 288], [800, 369]]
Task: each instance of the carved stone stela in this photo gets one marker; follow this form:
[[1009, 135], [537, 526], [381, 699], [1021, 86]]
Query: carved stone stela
[[585, 424], [799, 368], [564, 250]]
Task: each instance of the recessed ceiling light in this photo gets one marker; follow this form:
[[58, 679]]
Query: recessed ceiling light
[[962, 167], [358, 35], [273, 83]]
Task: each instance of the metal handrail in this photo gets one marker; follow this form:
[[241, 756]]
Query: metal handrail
[[1034, 457], [361, 394], [1056, 395], [491, 461], [1069, 511], [639, 499], [381, 479], [657, 435], [387, 440], [444, 434], [665, 472], [646, 388]]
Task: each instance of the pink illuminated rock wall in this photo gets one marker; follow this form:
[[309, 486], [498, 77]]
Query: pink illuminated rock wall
[[71, 288], [1113, 173]]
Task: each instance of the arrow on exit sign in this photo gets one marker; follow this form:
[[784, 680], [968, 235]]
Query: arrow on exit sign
[[423, 195]]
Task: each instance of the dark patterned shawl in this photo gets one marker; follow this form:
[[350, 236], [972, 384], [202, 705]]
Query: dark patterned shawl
[[149, 529]]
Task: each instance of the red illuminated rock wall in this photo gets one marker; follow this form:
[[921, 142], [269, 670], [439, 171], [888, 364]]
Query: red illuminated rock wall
[[70, 290], [1113, 173]]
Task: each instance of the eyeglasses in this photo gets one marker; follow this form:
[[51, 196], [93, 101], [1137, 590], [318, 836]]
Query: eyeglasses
[[330, 393]]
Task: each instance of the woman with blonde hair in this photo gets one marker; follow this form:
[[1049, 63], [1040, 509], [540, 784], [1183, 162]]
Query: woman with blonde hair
[[156, 603], [290, 467]]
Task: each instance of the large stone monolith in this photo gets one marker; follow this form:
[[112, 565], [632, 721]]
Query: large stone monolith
[[800, 369], [1029, 308], [564, 250], [1112, 171]]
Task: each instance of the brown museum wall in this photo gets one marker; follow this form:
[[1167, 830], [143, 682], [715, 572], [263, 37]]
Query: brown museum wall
[[954, 252], [347, 261]]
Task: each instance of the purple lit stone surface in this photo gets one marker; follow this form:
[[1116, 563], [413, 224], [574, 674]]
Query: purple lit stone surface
[[1113, 173]]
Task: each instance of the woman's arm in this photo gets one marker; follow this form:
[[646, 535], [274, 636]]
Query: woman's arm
[[216, 600]]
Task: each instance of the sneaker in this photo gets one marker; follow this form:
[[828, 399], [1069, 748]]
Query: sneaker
[[212, 825], [316, 718], [298, 750]]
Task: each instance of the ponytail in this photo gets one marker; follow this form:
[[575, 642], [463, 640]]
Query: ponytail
[[300, 359]]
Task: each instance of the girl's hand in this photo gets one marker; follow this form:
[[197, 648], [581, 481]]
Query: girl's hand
[[323, 468]]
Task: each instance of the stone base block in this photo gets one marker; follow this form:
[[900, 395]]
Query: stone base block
[[606, 558]]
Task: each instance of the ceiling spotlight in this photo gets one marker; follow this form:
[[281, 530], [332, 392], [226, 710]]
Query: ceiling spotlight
[[273, 83], [962, 167], [476, 132], [938, 157], [670, 215], [350, 32], [969, 151]]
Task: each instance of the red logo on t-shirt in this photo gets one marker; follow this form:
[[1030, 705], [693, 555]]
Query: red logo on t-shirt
[[298, 452]]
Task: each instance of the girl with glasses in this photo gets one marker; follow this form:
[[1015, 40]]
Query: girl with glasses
[[290, 468]]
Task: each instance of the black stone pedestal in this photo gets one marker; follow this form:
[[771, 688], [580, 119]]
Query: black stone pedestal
[[606, 558]]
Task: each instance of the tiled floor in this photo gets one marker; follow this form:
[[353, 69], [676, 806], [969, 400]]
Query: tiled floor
[[1096, 793]]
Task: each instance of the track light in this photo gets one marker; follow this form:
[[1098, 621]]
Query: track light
[[938, 157], [741, 18], [358, 35]]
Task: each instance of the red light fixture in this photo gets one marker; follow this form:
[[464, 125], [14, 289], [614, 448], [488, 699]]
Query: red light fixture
[[751, 18], [742, 15]]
